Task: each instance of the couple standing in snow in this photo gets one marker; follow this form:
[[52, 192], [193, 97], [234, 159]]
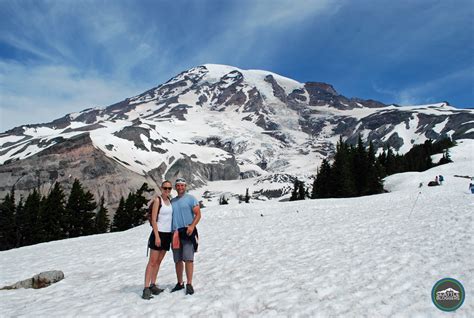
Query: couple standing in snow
[[174, 223]]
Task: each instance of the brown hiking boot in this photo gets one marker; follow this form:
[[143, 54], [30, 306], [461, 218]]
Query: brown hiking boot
[[155, 290], [147, 293]]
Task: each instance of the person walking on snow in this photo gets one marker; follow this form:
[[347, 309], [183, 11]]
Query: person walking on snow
[[160, 239], [186, 215]]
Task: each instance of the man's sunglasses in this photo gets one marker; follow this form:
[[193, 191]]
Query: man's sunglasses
[[167, 188]]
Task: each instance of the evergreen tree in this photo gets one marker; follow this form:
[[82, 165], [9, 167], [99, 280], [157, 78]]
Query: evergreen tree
[[374, 174], [301, 191], [20, 219], [294, 193], [139, 210], [132, 211], [390, 165], [247, 196], [51, 214], [223, 200], [30, 228], [446, 158], [360, 168], [322, 182], [417, 159], [7, 222], [120, 221], [342, 173], [88, 214], [71, 222], [129, 208], [79, 215], [102, 221], [382, 163]]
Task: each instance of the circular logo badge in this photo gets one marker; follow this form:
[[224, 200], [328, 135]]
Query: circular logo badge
[[448, 294]]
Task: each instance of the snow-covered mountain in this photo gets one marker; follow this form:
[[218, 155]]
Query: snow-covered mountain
[[214, 122], [375, 256]]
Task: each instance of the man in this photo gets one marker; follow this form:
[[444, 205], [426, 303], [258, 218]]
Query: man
[[186, 215]]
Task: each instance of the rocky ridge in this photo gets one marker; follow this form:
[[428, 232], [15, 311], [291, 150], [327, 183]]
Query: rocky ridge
[[213, 122]]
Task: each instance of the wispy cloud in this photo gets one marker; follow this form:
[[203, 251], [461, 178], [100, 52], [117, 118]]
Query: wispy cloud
[[426, 92], [30, 95], [76, 54], [253, 32]]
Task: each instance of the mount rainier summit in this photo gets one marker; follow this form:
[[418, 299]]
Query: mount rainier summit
[[209, 123]]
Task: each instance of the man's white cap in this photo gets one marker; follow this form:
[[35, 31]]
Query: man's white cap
[[180, 181]]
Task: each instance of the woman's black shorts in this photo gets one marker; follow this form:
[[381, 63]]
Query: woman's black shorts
[[165, 238]]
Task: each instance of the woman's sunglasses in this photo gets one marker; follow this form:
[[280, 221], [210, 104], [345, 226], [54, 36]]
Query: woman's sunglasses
[[167, 188]]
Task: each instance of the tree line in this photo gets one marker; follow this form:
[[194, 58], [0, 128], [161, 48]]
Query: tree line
[[44, 218], [357, 171]]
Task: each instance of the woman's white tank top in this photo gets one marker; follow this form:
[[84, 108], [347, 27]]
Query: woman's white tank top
[[165, 217]]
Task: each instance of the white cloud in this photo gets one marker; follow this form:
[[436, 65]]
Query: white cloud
[[242, 35], [425, 92], [282, 13], [43, 93]]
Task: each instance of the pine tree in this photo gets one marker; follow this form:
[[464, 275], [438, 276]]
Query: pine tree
[[51, 214], [130, 210], [342, 173], [301, 191], [102, 221], [79, 215], [446, 158], [322, 182], [88, 214], [247, 196], [121, 221], [30, 227], [71, 220], [139, 210], [360, 168], [294, 193], [374, 174], [20, 219], [7, 222]]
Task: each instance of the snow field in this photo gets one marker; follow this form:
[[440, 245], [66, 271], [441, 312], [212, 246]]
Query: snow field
[[370, 256]]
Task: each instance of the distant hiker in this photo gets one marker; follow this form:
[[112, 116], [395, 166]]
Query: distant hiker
[[437, 180], [160, 238], [441, 179], [186, 215], [471, 187]]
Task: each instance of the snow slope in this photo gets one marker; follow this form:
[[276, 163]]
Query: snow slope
[[373, 256]]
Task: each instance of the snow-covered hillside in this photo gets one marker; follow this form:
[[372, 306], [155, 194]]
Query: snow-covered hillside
[[375, 256], [213, 123]]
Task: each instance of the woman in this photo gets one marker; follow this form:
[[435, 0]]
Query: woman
[[160, 239]]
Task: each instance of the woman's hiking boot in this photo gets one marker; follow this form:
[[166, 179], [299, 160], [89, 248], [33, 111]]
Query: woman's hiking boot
[[155, 290], [189, 289], [147, 293], [177, 287]]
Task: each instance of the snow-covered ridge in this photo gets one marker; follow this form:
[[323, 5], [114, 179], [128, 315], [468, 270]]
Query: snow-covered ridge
[[253, 77], [247, 124]]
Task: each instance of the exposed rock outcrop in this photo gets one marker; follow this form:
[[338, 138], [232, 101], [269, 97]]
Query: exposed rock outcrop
[[41, 280]]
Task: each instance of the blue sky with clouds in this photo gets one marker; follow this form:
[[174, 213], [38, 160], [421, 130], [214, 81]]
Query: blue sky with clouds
[[62, 56]]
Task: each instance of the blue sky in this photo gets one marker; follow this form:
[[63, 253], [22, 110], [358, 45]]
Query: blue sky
[[62, 56]]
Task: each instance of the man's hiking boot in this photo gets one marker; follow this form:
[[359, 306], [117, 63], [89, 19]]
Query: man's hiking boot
[[177, 287], [189, 289], [147, 293], [155, 290]]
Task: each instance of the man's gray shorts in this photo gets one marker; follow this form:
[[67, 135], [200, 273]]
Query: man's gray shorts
[[185, 253]]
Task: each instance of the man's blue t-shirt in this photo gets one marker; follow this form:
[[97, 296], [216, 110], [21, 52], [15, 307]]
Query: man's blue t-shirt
[[183, 214]]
